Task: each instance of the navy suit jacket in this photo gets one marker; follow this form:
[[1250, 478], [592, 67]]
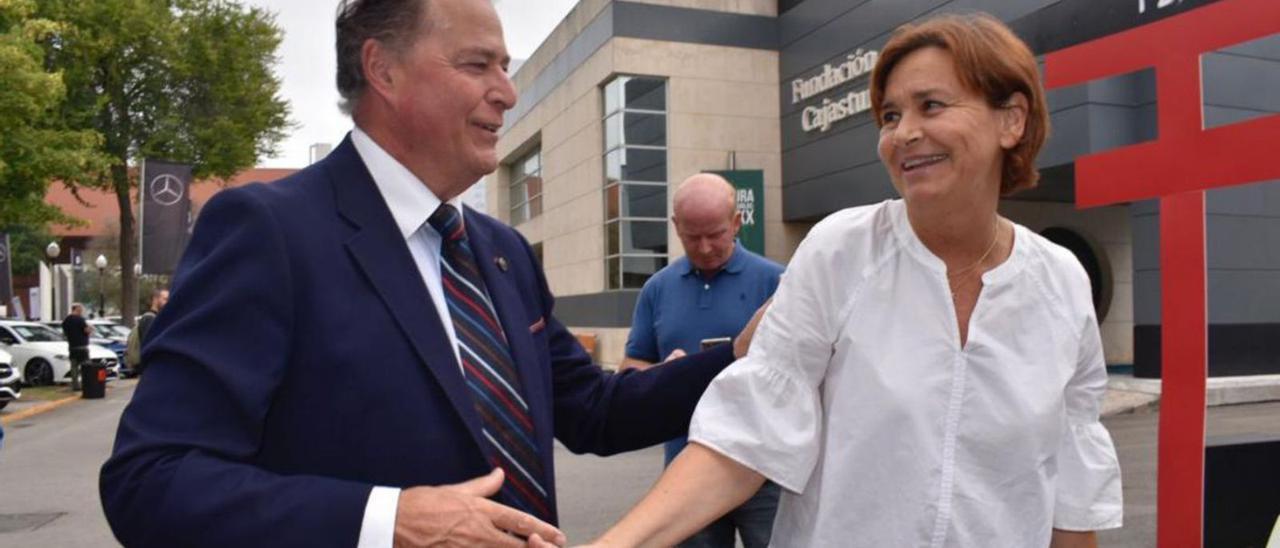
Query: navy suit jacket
[[300, 362]]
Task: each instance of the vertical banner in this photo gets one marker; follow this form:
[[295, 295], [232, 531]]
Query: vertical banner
[[37, 307], [166, 208], [750, 186], [6, 270]]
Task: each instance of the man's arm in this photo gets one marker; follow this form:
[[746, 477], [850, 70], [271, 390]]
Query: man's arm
[[629, 362], [181, 472], [634, 363]]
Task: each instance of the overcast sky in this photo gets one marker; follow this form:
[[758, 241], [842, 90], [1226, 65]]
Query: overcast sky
[[306, 65]]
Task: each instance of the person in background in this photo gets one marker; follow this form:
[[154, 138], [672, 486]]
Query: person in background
[[77, 331], [133, 352], [929, 372], [709, 294]]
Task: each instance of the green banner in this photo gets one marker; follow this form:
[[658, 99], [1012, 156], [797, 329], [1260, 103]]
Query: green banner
[[750, 185]]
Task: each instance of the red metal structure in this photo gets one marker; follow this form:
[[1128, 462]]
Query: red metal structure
[[1183, 162]]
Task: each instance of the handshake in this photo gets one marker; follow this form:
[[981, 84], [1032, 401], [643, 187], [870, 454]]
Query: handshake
[[462, 514]]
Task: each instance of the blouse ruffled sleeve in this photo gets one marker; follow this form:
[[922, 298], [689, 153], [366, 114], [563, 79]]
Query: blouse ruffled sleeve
[[1088, 495], [765, 411]]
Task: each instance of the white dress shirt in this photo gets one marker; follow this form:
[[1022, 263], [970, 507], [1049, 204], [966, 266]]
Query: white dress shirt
[[857, 397], [411, 204]]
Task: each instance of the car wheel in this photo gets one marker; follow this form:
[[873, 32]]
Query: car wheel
[[38, 373], [4, 403]]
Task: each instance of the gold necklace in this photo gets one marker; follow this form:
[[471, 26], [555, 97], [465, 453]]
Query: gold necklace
[[951, 276]]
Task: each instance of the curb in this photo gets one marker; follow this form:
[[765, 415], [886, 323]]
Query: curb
[[1142, 408], [37, 409]]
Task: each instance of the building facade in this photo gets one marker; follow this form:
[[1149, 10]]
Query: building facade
[[627, 98]]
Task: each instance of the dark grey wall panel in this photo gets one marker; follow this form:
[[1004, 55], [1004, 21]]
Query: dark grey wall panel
[[1244, 297], [1222, 79], [608, 309], [850, 149], [816, 198], [1241, 242], [1241, 200], [673, 24]]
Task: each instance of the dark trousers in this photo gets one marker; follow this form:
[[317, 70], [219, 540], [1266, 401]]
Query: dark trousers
[[79, 356]]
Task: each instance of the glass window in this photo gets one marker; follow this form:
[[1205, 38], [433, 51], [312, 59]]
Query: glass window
[[636, 164], [635, 237], [635, 128], [525, 193], [635, 93], [632, 272], [38, 333], [635, 200]]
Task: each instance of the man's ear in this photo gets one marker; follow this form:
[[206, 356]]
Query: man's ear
[[379, 64], [1013, 120]]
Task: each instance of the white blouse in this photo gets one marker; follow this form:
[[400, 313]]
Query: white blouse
[[857, 398]]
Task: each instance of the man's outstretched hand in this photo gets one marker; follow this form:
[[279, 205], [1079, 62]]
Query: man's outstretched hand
[[461, 515]]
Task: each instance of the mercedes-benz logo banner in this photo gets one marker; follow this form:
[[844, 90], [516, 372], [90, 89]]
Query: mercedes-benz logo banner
[[6, 271], [166, 213]]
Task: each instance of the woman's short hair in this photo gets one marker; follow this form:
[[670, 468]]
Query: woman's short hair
[[991, 61]]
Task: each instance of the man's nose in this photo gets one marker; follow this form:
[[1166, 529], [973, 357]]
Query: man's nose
[[503, 93]]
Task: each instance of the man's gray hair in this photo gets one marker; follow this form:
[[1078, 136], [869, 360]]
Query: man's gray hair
[[392, 22]]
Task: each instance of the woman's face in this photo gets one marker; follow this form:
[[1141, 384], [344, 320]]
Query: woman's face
[[938, 139]]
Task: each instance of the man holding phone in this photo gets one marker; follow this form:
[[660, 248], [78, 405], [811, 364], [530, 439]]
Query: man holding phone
[[700, 300]]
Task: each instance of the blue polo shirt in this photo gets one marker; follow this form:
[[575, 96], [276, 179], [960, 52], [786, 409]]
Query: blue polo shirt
[[678, 307]]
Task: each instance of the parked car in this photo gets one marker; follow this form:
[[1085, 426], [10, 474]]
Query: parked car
[[40, 353], [108, 329], [10, 380], [105, 334], [113, 337]]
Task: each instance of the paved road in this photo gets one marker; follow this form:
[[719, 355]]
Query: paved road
[[49, 473], [49, 466]]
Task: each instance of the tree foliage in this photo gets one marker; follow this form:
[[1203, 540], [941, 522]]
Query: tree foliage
[[184, 80], [35, 148], [26, 246]]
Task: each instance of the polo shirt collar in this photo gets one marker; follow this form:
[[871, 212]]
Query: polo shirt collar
[[737, 261]]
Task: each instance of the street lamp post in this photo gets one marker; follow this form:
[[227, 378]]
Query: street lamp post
[[52, 251], [101, 263]]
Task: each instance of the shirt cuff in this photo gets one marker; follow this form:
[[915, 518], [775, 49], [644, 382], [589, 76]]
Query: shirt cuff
[[378, 529]]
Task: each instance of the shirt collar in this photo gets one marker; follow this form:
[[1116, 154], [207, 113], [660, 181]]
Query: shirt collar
[[409, 199], [737, 261]]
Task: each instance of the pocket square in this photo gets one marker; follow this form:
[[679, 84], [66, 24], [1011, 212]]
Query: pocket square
[[538, 325]]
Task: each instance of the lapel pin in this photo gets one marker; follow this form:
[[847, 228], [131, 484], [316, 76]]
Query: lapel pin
[[501, 262]]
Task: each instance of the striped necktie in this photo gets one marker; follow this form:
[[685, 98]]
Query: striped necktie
[[490, 372]]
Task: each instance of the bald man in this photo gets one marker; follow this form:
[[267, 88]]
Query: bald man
[[706, 296]]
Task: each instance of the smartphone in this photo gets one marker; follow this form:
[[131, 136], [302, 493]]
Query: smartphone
[[708, 343]]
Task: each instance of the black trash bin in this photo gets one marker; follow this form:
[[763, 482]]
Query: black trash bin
[[93, 381]]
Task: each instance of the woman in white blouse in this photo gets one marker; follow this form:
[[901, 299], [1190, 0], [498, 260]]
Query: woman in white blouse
[[929, 373]]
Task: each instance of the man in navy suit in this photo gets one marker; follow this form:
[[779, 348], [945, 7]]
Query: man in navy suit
[[351, 358]]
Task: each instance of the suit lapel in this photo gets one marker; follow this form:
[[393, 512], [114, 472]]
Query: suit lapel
[[515, 323], [381, 253]]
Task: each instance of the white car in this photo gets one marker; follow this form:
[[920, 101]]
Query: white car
[[10, 380], [40, 353]]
